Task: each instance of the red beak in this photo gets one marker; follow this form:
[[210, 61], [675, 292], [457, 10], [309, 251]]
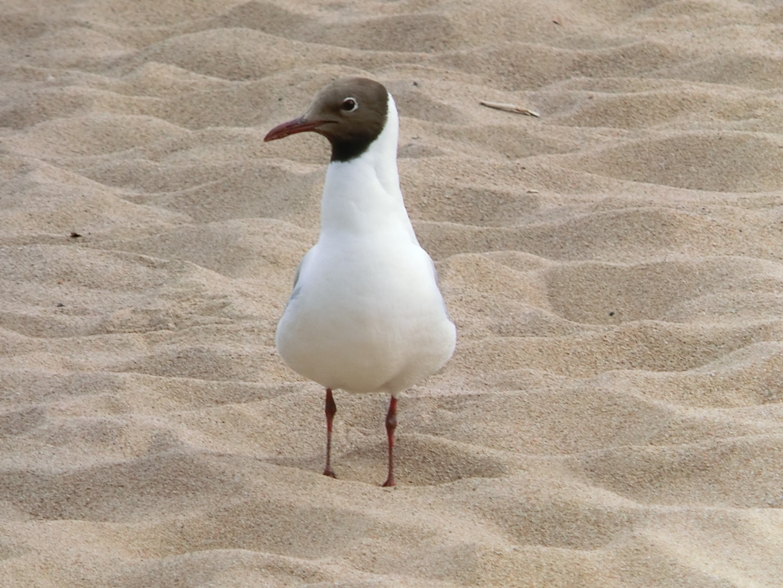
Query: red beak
[[298, 125]]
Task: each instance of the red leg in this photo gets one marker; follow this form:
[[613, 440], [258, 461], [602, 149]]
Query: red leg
[[330, 408], [391, 424]]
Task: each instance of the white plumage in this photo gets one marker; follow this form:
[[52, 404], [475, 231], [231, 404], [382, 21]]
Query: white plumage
[[366, 314]]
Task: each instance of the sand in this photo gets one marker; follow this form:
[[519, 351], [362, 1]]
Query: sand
[[613, 414]]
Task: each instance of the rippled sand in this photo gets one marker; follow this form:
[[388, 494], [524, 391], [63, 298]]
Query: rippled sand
[[613, 414]]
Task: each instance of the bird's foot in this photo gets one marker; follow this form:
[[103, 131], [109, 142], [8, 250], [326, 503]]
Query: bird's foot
[[388, 483], [330, 472]]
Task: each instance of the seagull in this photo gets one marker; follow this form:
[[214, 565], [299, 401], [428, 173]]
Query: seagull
[[366, 313]]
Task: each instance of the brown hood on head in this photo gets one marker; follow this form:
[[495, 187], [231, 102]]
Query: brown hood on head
[[350, 112]]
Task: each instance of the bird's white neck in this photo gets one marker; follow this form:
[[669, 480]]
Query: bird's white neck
[[362, 196]]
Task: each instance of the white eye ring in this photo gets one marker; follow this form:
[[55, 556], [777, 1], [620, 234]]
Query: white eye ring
[[349, 104]]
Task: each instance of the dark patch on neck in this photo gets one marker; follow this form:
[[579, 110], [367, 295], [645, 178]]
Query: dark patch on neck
[[346, 149]]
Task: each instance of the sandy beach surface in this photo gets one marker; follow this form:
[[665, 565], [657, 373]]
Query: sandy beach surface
[[613, 414]]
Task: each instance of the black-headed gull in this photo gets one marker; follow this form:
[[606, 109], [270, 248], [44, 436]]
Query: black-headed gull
[[365, 314]]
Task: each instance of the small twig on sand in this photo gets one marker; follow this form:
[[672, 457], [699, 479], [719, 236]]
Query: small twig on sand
[[509, 108]]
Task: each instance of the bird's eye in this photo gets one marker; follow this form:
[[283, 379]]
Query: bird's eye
[[349, 105]]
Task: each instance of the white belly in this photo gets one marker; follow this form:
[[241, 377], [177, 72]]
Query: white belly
[[366, 317]]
